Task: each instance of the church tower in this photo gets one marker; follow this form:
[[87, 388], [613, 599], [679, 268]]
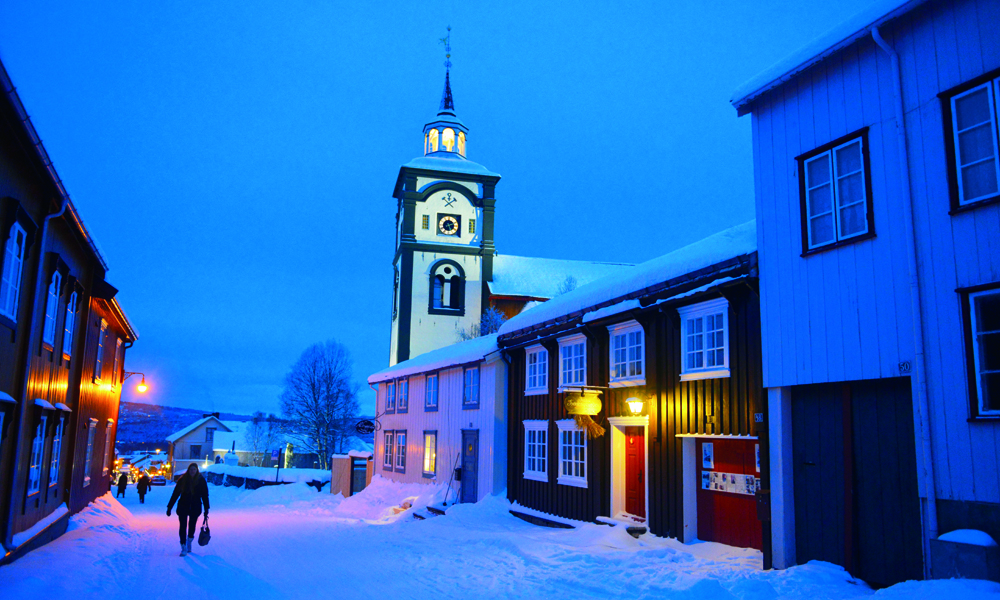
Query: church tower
[[444, 237]]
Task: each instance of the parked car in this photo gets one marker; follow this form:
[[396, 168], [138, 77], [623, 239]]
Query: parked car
[[158, 480]]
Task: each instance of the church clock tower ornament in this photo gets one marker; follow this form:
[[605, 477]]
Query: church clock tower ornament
[[448, 225]]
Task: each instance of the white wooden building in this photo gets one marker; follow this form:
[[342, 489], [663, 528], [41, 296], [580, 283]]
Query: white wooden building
[[879, 249], [444, 411]]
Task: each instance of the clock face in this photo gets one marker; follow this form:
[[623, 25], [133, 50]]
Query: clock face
[[448, 225]]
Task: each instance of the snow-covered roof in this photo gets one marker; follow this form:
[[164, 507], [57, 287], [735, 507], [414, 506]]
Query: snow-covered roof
[[722, 246], [450, 356], [542, 277], [839, 37], [452, 163], [173, 437]]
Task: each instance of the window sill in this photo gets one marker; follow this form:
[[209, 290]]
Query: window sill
[[430, 409], [536, 391], [430, 475], [8, 321], [402, 411], [835, 245], [569, 389], [387, 468], [543, 477], [470, 406], [957, 209], [623, 383], [694, 376], [984, 419], [401, 471], [572, 481], [455, 312]]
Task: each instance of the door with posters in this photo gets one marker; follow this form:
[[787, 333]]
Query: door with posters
[[728, 479]]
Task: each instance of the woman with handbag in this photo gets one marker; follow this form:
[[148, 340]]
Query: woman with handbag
[[190, 494]]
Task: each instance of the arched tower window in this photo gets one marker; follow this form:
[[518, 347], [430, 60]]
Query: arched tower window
[[433, 142], [447, 288], [461, 143], [448, 139]]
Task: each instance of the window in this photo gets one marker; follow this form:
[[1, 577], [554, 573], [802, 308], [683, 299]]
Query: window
[[461, 143], [573, 361], [537, 359], [107, 447], [13, 265], [536, 453], [118, 351], [98, 362], [430, 453], [400, 452], [985, 319], [431, 393], [628, 359], [470, 394], [88, 459], [56, 452], [974, 142], [194, 451], [472, 226], [37, 450], [835, 192], [70, 325], [572, 453], [447, 289], [210, 435], [390, 397], [388, 450], [52, 310], [705, 340], [425, 221], [404, 396], [433, 141], [448, 138]]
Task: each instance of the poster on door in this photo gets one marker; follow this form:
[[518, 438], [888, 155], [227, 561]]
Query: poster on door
[[707, 456]]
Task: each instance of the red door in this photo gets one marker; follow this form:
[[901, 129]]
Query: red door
[[635, 472]]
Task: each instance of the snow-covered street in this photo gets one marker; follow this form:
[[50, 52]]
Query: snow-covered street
[[291, 542]]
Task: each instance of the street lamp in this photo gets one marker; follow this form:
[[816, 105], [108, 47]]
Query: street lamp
[[142, 387], [635, 405]]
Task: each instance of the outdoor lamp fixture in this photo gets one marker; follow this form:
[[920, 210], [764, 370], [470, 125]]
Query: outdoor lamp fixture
[[142, 387], [635, 405]]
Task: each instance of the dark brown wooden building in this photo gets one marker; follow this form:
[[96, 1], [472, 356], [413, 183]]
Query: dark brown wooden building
[[63, 339], [679, 336]]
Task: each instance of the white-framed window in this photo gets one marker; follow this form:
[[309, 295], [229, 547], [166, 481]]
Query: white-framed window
[[536, 450], [13, 266], [118, 351], [431, 392], [974, 131], [400, 452], [69, 325], [985, 312], [573, 361], [88, 460], [836, 194], [705, 340], [387, 452], [470, 392], [537, 359], [37, 451], [107, 448], [210, 434], [52, 310], [572, 453], [99, 360], [404, 395], [390, 397], [430, 453], [628, 356], [56, 451]]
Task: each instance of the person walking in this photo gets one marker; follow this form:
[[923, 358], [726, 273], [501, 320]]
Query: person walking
[[190, 494], [122, 484], [142, 487]]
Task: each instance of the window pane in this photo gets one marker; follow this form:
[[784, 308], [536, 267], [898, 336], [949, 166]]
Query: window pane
[[989, 352], [973, 109], [976, 143], [820, 200], [849, 159], [991, 391], [979, 180], [821, 229], [818, 171], [851, 189], [853, 220], [987, 312]]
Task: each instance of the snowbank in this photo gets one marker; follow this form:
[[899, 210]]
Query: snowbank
[[271, 473], [375, 502], [27, 534]]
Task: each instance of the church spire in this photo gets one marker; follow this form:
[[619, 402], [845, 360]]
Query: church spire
[[447, 102], [446, 133]]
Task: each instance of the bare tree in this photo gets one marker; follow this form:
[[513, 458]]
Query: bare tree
[[489, 323], [262, 435], [567, 286], [320, 399]]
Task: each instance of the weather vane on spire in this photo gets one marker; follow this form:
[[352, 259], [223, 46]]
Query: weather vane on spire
[[446, 40]]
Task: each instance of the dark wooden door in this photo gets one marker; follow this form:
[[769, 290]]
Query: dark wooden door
[[359, 474], [470, 464], [635, 472]]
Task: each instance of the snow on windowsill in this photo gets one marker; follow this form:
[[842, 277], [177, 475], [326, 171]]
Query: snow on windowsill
[[27, 534], [971, 537]]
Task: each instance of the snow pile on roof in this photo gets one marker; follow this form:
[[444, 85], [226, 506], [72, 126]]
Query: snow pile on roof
[[173, 437], [972, 537], [454, 163], [450, 356], [542, 277], [833, 40], [733, 242]]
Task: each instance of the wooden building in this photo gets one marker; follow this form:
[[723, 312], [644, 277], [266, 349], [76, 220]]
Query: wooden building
[[673, 348], [63, 338], [880, 295], [441, 420]]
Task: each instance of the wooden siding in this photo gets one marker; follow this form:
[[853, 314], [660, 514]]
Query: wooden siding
[[844, 314]]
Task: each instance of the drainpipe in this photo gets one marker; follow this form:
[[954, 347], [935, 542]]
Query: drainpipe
[[923, 405], [39, 288]]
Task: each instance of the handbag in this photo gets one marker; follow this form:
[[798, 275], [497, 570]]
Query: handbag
[[206, 533]]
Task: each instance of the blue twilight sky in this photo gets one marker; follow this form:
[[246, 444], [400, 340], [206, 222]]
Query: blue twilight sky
[[236, 159]]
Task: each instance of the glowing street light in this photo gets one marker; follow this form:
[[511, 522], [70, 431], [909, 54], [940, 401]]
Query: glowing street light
[[142, 387], [635, 405]]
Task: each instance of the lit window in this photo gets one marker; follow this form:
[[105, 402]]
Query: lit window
[[52, 310], [425, 221], [705, 340], [448, 139], [536, 453], [88, 459], [472, 226], [431, 393], [572, 453], [470, 394], [118, 351], [836, 193], [390, 397], [434, 140], [974, 139], [461, 143], [627, 357], [37, 450], [107, 447], [56, 452], [430, 453], [985, 320], [404, 396], [400, 452], [537, 359], [573, 361], [13, 265], [99, 360], [387, 451], [69, 325]]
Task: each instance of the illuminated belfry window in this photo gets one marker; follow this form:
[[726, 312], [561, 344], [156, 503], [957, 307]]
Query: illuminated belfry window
[[448, 139], [433, 142], [461, 143]]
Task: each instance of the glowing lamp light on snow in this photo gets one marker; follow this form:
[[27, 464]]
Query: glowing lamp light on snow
[[635, 405]]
